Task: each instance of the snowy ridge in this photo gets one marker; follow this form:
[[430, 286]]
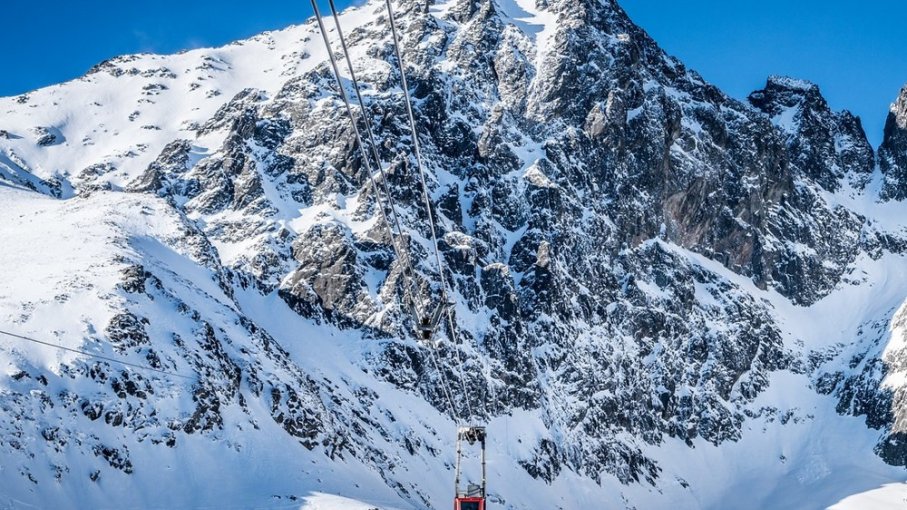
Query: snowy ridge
[[666, 298], [792, 83]]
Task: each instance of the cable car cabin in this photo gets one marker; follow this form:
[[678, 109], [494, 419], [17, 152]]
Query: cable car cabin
[[469, 504], [473, 498]]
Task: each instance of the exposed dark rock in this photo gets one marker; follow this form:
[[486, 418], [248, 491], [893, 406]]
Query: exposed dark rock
[[127, 331], [172, 162], [47, 136], [893, 151], [824, 146]]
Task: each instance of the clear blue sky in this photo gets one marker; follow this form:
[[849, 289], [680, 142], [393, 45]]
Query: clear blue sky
[[855, 50]]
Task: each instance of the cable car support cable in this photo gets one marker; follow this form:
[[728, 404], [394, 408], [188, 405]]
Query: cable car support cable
[[474, 496], [366, 162], [445, 292], [416, 148], [93, 355], [403, 255], [358, 137], [407, 263]]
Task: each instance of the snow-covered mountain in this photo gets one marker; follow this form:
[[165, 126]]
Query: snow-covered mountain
[[666, 298]]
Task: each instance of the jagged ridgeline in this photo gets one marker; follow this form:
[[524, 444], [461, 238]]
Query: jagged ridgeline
[[666, 297]]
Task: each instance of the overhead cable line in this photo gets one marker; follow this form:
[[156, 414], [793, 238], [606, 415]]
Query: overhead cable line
[[402, 255], [365, 158], [445, 293], [364, 154], [93, 355], [416, 148], [471, 434], [406, 262], [444, 385]]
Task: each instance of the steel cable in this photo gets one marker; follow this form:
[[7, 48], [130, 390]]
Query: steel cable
[[365, 158], [93, 355]]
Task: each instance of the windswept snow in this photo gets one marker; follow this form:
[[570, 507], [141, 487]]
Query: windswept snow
[[539, 25], [891, 496], [321, 501]]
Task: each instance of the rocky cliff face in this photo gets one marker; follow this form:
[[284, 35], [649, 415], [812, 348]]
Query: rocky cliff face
[[891, 154], [629, 250], [824, 146]]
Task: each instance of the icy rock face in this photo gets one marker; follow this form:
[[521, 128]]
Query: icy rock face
[[575, 171], [866, 377], [546, 211], [893, 152], [95, 409], [825, 147], [656, 138]]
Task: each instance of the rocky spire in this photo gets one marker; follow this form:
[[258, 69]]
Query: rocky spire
[[824, 146], [893, 151]]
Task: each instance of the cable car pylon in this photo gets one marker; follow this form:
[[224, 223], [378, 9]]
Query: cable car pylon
[[427, 319]]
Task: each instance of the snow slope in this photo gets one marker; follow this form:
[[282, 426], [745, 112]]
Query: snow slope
[[69, 283], [77, 250]]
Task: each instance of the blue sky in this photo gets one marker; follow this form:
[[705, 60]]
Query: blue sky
[[855, 51]]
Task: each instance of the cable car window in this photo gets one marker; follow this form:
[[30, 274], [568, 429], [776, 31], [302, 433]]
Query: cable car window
[[469, 505]]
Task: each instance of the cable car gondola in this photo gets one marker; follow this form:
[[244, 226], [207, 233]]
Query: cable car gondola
[[473, 498]]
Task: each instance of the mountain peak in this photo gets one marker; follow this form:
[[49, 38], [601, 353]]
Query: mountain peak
[[781, 92], [783, 97], [826, 146], [893, 151], [898, 109], [792, 84]]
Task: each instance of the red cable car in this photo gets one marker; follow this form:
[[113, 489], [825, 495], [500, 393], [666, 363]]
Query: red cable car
[[470, 504], [473, 498]]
